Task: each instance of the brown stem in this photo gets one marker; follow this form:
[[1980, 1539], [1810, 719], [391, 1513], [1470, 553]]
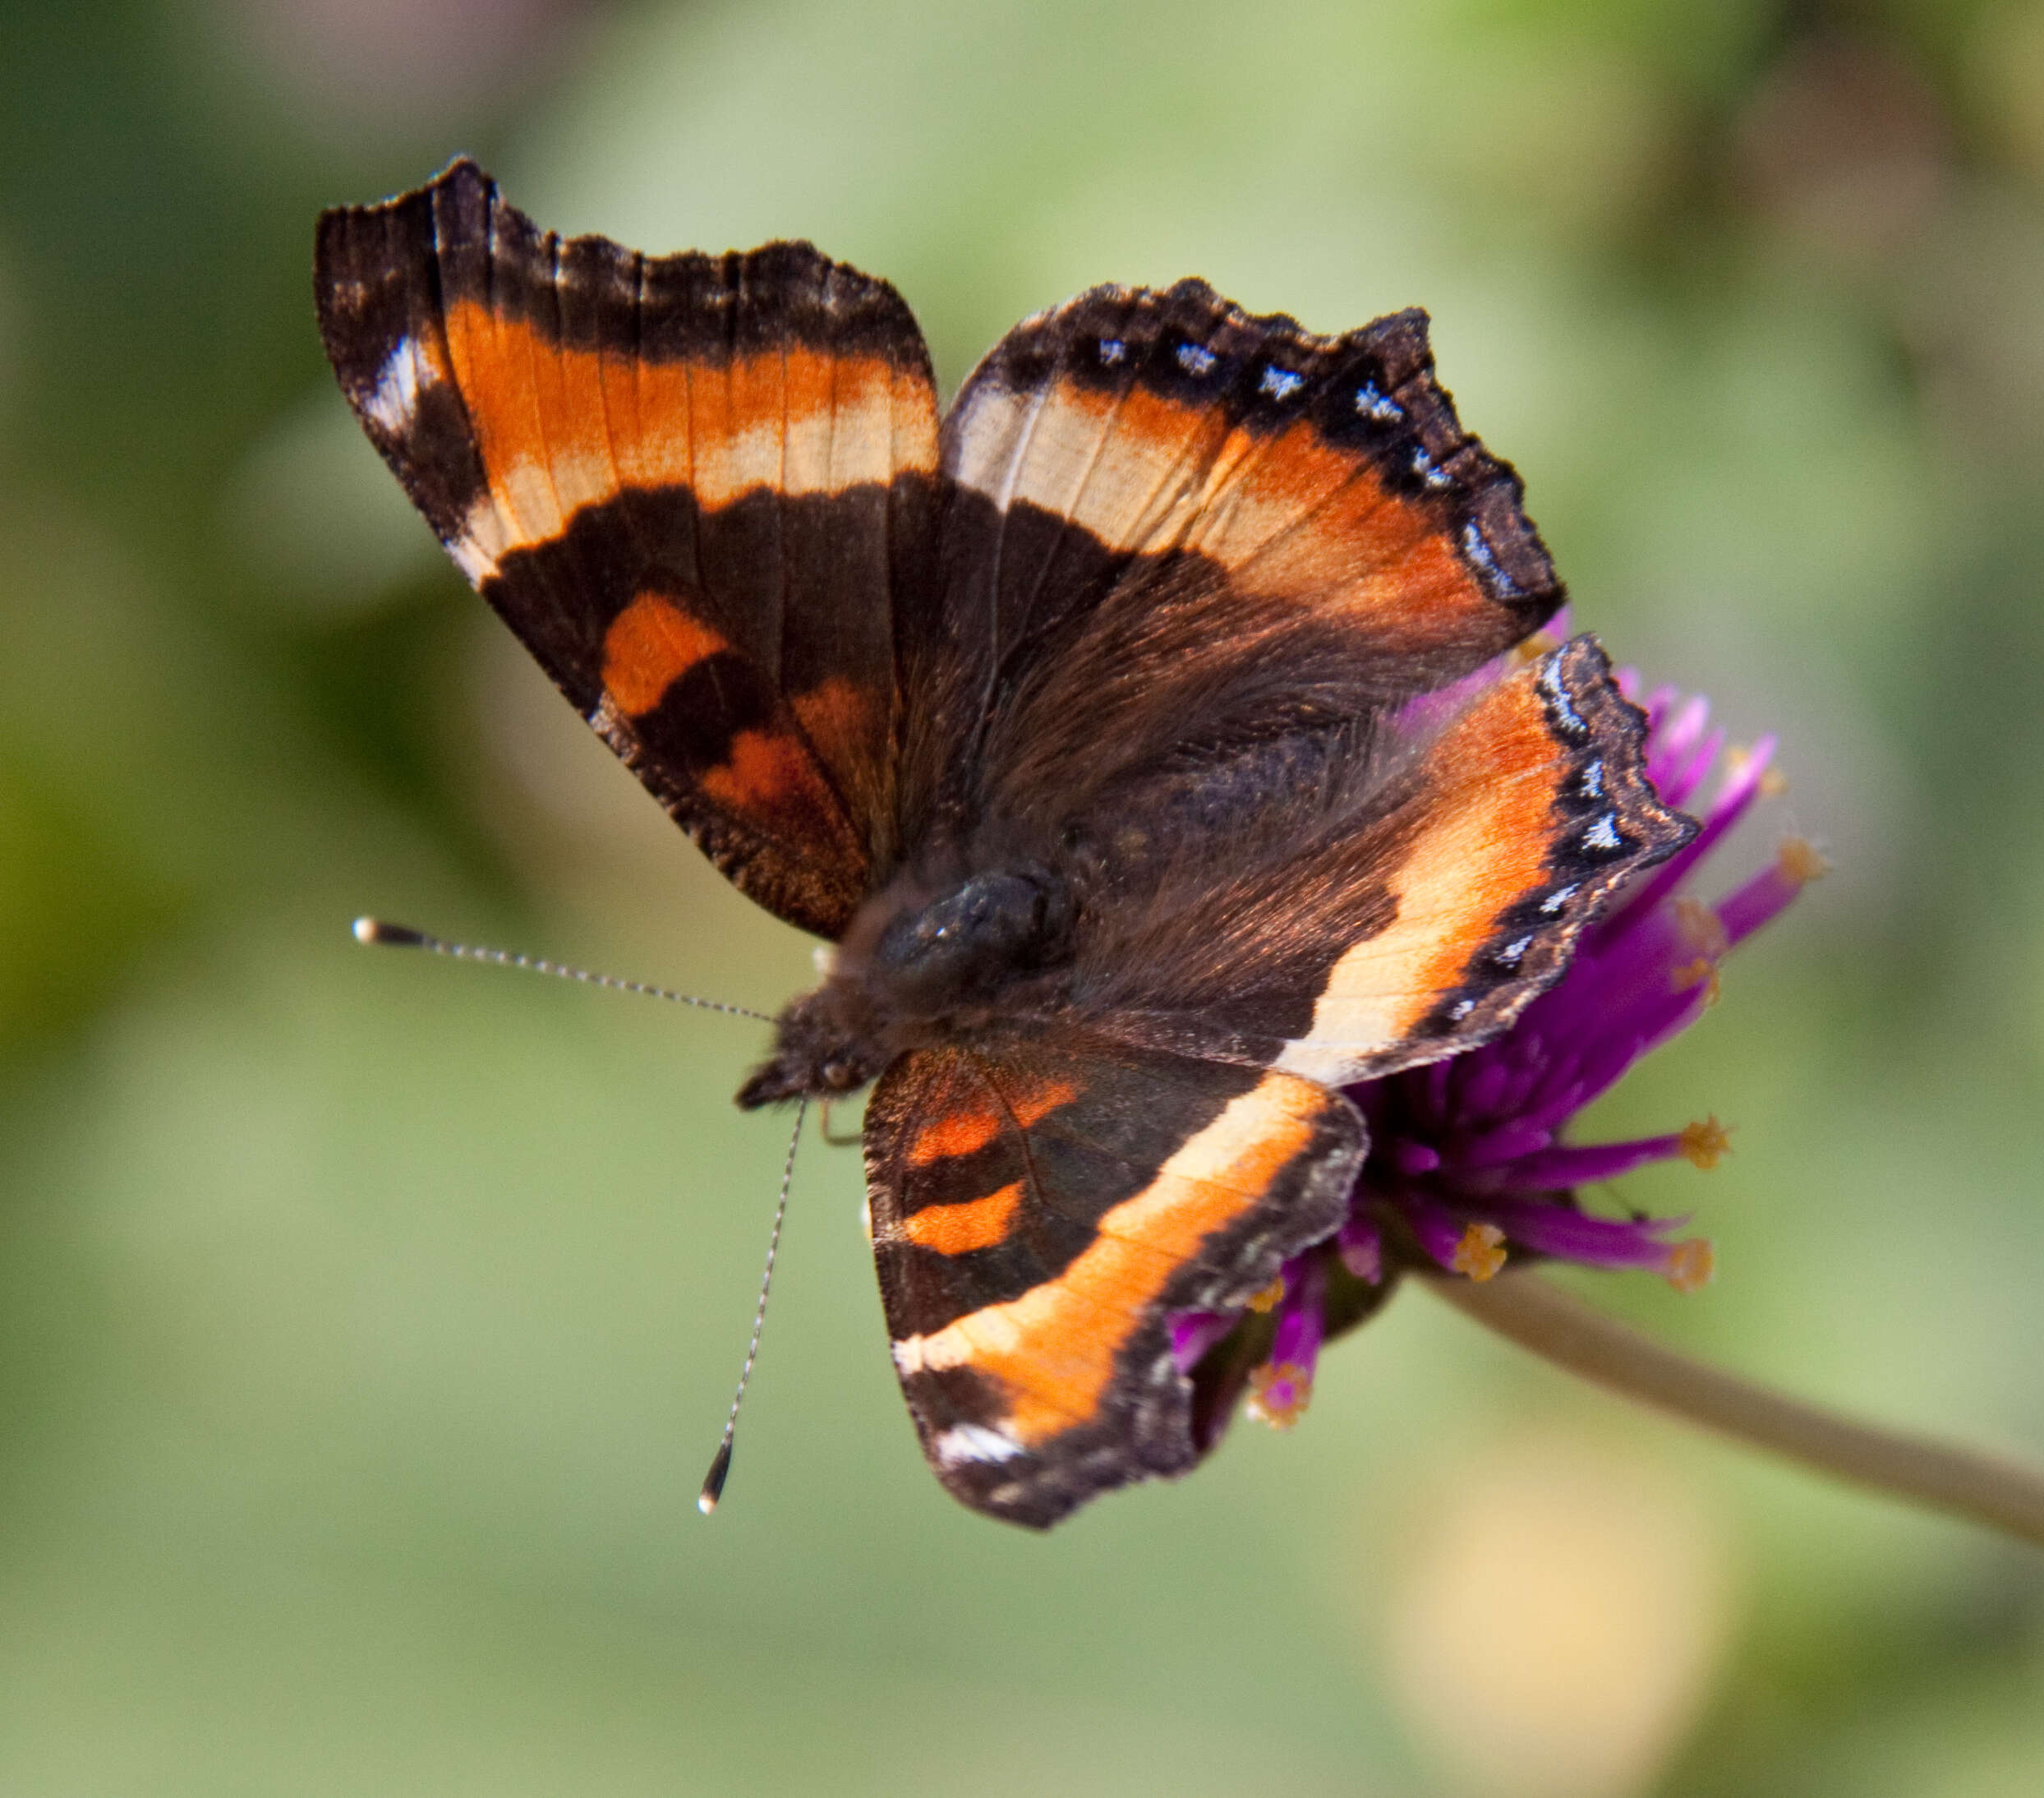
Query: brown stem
[[2002, 1494]]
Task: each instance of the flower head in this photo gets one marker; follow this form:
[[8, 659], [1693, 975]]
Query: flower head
[[1470, 1165]]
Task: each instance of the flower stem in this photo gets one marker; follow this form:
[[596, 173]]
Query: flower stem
[[2002, 1494]]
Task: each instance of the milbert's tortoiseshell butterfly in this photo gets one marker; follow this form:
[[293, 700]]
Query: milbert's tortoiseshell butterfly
[[1082, 718]]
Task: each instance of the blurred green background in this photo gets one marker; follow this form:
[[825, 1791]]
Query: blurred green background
[[365, 1322]]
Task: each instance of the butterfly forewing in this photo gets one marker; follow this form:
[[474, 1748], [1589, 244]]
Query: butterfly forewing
[[1131, 429], [693, 485]]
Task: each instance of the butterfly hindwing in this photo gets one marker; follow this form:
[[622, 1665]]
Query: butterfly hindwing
[[1418, 916], [695, 486], [1527, 812], [1043, 1204]]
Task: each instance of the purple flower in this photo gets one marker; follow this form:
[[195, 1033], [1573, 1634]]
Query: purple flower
[[1469, 1163]]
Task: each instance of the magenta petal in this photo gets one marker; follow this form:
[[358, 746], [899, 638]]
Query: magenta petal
[[1682, 1010], [1300, 1315], [1408, 1157], [1439, 1230], [1761, 899], [1598, 1067], [1193, 1332], [1733, 800], [1617, 968], [1646, 1025], [1684, 780], [1557, 1230], [1555, 1169], [1434, 1081], [1742, 784], [1361, 1245], [1668, 993], [1483, 1085], [1497, 1146], [1668, 746]]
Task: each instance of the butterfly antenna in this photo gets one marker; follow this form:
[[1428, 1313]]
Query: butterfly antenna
[[720, 1461], [400, 936]]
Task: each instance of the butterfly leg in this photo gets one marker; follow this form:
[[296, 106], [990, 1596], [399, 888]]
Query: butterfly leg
[[850, 1140]]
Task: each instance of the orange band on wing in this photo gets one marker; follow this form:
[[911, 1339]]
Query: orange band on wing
[[960, 1133], [1500, 764], [841, 719], [959, 1229], [1054, 1350], [967, 1131], [1483, 845], [1293, 516], [650, 645], [770, 776], [1312, 517], [561, 427]]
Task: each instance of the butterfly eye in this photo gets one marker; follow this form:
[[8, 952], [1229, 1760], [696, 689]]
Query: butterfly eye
[[840, 1076]]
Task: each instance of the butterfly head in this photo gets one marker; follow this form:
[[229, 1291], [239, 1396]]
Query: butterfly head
[[917, 964], [827, 1043]]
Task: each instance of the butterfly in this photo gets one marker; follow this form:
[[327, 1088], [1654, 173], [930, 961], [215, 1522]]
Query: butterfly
[[1120, 727]]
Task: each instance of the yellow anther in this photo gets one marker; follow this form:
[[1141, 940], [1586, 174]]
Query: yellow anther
[[1799, 861], [1773, 783], [1277, 1395], [1706, 1143], [1690, 1265], [1540, 643], [1480, 1253], [1691, 973], [1701, 928], [1268, 1299]]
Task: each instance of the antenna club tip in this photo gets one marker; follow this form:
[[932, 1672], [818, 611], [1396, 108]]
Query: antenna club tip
[[375, 930], [713, 1481]]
